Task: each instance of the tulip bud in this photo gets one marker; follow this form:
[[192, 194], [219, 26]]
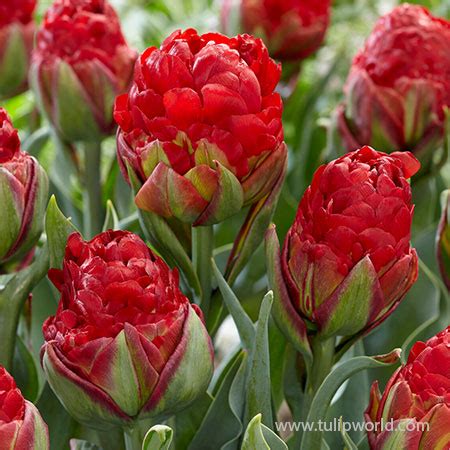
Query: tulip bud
[[81, 63], [125, 343], [201, 127], [292, 30], [399, 86], [347, 260], [16, 41], [416, 401], [21, 425], [23, 195]]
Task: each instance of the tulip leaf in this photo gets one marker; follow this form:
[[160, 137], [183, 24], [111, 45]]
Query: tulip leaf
[[251, 234], [24, 371], [77, 444], [258, 436], [158, 437], [258, 381], [243, 322], [58, 229], [165, 241], [111, 219], [226, 409], [331, 384], [349, 444]]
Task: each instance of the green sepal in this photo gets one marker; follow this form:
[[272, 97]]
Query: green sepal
[[227, 200], [348, 310], [72, 116], [258, 436], [14, 62]]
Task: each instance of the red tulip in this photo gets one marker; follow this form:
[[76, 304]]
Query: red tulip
[[399, 85], [292, 29], [23, 195], [416, 401], [125, 343], [16, 41], [347, 260], [21, 425], [201, 127], [81, 63]]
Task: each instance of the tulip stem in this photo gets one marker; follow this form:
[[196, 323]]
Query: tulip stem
[[323, 358], [202, 252], [93, 213], [132, 438]]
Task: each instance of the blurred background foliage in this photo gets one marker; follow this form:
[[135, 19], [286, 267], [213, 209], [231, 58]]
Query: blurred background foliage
[[310, 102]]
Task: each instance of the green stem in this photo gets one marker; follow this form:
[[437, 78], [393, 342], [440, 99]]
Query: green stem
[[94, 210], [323, 357], [14, 291], [132, 438], [202, 252]]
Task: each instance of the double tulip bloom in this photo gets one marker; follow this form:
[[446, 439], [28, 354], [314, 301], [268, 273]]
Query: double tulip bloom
[[21, 425], [125, 343], [347, 260], [201, 127], [16, 41], [23, 195], [399, 86], [292, 29], [80, 64], [416, 401]]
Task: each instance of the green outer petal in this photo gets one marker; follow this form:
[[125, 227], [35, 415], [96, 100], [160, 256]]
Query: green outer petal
[[14, 62], [33, 430], [354, 304], [187, 373], [71, 114], [10, 221], [287, 318], [226, 201], [85, 402]]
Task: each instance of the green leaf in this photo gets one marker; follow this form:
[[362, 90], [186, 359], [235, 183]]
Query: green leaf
[[259, 399], [349, 444], [25, 371], [77, 444], [243, 322], [259, 437], [326, 392], [58, 229], [158, 437], [111, 219], [226, 409]]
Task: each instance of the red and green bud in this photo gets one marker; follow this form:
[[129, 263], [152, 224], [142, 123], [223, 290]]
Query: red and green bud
[[80, 64], [414, 411], [292, 29], [21, 425], [347, 261], [16, 42], [125, 343], [399, 86], [201, 127], [23, 195]]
